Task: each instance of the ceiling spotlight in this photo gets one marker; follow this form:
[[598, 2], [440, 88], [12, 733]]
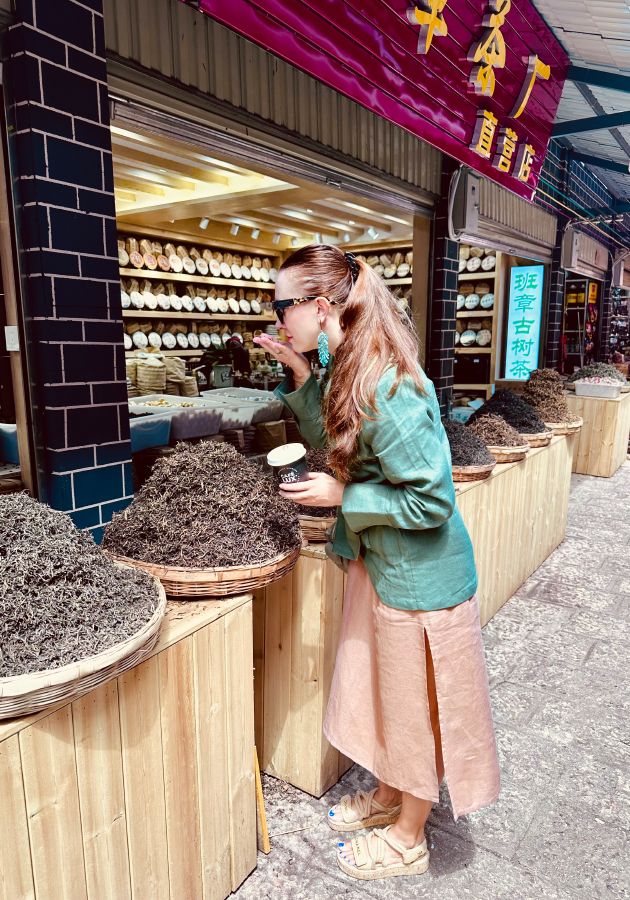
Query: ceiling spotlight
[[350, 222], [346, 237], [294, 242], [234, 229], [204, 223], [276, 238], [317, 238], [372, 232], [255, 233], [309, 210]]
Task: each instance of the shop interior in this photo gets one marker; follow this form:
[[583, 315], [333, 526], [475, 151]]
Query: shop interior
[[580, 323]]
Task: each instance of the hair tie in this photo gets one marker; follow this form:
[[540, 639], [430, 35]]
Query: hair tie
[[353, 266]]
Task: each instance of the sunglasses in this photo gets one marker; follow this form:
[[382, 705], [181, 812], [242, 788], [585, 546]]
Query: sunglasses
[[279, 306]]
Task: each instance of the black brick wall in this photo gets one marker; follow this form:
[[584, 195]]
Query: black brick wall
[[56, 77]]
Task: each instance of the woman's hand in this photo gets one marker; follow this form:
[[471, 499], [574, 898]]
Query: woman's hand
[[321, 490], [283, 352]]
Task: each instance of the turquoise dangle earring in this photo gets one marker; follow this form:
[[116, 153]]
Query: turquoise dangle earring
[[322, 348]]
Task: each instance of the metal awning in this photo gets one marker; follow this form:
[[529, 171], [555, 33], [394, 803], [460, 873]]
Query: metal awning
[[593, 118]]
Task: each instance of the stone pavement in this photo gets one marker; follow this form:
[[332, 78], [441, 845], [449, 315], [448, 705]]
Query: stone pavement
[[559, 666]]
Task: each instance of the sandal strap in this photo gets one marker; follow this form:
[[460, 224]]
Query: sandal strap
[[408, 855], [364, 806], [367, 853], [363, 803]]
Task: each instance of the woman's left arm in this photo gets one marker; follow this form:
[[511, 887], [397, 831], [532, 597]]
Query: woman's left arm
[[415, 461]]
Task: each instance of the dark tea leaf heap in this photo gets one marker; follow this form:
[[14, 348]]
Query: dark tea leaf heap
[[203, 507], [495, 432], [515, 411], [545, 392], [466, 448], [61, 598]]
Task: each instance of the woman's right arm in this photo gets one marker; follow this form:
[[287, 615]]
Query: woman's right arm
[[299, 392]]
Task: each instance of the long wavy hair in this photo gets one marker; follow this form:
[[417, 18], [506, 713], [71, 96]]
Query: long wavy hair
[[377, 336]]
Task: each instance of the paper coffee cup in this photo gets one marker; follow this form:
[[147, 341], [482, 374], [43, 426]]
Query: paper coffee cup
[[289, 463]]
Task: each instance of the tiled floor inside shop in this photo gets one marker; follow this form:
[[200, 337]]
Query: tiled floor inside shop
[[559, 666]]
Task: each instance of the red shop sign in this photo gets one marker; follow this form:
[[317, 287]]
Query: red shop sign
[[479, 79]]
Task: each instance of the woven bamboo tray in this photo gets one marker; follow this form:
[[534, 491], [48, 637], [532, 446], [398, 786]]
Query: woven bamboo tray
[[178, 581], [472, 473], [565, 427], [538, 440], [509, 454], [313, 528], [21, 695]]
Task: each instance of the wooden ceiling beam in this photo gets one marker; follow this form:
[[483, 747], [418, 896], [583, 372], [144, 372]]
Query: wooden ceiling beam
[[156, 162], [272, 220], [128, 196], [141, 176], [129, 184], [339, 208], [317, 220]]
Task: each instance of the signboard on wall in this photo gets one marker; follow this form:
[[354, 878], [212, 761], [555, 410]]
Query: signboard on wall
[[479, 79], [524, 317]]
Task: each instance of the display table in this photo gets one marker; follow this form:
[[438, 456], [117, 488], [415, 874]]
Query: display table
[[143, 788], [296, 631], [603, 438], [516, 518]]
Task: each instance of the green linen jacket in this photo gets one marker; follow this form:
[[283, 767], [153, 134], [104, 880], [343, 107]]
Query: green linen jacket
[[399, 511]]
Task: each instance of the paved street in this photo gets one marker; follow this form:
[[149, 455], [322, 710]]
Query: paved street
[[559, 665]]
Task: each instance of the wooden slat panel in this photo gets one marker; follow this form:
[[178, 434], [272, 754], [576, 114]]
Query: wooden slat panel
[[602, 444], [52, 804], [212, 753], [139, 702], [241, 759], [179, 752], [101, 793], [304, 722], [259, 605], [332, 766], [16, 877], [277, 694]]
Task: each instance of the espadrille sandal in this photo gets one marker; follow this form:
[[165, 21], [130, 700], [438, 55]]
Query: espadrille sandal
[[367, 812], [369, 853]]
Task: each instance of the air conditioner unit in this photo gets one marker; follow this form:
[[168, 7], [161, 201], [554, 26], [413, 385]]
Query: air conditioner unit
[[466, 203], [619, 268], [570, 248], [584, 255]]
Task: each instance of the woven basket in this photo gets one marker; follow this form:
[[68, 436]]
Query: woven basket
[[565, 427], [229, 581], [538, 440], [509, 454], [472, 473], [313, 529], [21, 695]]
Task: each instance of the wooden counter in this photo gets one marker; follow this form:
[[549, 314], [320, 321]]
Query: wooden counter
[[603, 438], [143, 788], [516, 518]]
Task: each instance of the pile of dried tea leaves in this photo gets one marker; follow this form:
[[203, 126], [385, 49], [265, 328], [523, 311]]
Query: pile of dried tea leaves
[[495, 432], [545, 393], [317, 461], [61, 598], [466, 448], [205, 506], [603, 370], [520, 415]]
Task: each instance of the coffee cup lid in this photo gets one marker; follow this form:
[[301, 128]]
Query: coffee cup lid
[[286, 454]]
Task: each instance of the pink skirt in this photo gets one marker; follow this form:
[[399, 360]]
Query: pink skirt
[[378, 712]]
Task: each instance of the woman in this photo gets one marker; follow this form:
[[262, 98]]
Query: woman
[[409, 698]]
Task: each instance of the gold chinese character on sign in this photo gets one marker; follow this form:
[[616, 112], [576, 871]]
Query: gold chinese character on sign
[[524, 162], [428, 14], [489, 52], [506, 148], [483, 135], [535, 69]]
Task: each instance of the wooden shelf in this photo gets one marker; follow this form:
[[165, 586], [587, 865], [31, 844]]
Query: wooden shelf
[[397, 280], [476, 276], [466, 313], [129, 354], [471, 387], [473, 349], [204, 317], [198, 279]]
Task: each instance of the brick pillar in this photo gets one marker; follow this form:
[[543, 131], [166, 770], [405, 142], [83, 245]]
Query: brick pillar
[[556, 303], [56, 78], [605, 314], [443, 310]]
